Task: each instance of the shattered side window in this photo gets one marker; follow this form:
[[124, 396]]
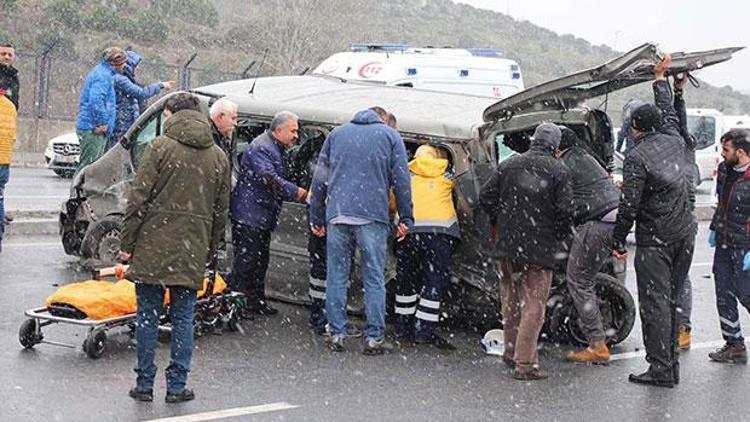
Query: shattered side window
[[147, 133], [503, 151]]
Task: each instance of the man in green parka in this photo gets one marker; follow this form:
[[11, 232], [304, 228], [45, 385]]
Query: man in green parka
[[174, 219]]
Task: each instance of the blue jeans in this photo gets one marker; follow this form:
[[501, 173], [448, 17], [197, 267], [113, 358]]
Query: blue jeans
[[732, 285], [4, 176], [150, 300], [371, 240]]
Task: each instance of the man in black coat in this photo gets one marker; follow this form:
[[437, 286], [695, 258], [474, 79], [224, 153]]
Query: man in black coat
[[530, 195], [595, 201], [655, 194], [730, 235], [8, 72]]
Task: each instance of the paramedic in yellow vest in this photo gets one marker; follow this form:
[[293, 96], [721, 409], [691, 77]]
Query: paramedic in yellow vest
[[423, 258], [8, 116]]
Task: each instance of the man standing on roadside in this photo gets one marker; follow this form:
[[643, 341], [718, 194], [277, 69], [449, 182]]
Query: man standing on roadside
[[98, 106], [655, 196], [530, 198], [359, 164], [730, 235], [8, 115], [256, 203], [174, 219]]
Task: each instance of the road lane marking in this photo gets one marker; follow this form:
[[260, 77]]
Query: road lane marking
[[228, 413], [24, 245], [36, 197], [642, 353]]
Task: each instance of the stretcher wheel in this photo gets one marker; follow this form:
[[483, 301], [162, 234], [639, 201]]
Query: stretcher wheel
[[94, 343], [27, 334]]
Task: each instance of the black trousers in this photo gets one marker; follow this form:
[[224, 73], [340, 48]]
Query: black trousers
[[251, 253], [316, 248], [661, 272]]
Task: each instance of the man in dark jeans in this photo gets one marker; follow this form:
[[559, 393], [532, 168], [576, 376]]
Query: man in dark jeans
[[255, 206], [174, 219], [655, 194], [595, 201], [730, 234], [529, 197]]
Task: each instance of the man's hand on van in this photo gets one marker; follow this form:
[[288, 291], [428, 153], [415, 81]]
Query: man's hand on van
[[319, 231], [401, 232], [660, 68], [301, 194]]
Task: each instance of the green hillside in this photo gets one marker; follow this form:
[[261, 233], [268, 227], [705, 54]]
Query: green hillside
[[228, 34]]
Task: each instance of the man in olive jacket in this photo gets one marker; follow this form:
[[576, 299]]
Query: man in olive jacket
[[174, 220]]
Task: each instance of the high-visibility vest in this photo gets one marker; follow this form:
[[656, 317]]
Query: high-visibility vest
[[8, 115]]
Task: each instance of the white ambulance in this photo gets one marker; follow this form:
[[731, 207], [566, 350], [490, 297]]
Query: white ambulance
[[475, 71]]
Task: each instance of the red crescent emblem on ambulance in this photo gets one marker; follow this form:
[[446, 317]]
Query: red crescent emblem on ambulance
[[369, 70]]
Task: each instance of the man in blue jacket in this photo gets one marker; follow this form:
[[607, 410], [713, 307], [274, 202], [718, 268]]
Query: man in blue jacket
[[255, 205], [359, 164], [97, 108], [130, 97]]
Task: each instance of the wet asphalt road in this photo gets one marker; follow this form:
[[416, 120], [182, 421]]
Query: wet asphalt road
[[277, 360], [35, 189]]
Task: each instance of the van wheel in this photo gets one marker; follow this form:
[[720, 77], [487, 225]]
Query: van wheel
[[102, 241], [617, 309]]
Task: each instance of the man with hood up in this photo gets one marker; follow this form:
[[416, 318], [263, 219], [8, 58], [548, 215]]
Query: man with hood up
[[655, 195], [423, 259], [97, 106], [131, 97], [358, 165], [530, 198], [174, 220]]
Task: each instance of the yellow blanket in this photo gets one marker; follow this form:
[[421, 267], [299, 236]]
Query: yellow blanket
[[104, 299]]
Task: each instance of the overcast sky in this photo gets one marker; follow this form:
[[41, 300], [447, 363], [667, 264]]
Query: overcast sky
[[689, 25]]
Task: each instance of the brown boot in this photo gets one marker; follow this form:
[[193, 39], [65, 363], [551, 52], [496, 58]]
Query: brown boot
[[730, 353], [597, 352], [684, 339]]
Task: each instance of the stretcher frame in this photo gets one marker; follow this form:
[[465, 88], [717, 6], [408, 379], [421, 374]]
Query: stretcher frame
[[30, 332]]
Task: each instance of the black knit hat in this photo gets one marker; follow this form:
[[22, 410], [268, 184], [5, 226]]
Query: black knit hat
[[646, 118]]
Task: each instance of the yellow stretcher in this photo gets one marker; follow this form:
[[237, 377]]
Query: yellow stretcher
[[103, 305]]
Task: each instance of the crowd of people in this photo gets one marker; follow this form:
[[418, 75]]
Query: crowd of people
[[364, 187]]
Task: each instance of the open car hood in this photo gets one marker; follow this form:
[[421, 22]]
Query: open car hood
[[631, 68]]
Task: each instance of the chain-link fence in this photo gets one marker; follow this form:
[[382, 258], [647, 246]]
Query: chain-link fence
[[51, 85]]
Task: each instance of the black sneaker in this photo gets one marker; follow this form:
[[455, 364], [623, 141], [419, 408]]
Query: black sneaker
[[185, 395], [374, 347], [649, 378], [141, 395], [435, 340], [335, 343]]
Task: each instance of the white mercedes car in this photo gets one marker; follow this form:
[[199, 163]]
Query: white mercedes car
[[62, 154]]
